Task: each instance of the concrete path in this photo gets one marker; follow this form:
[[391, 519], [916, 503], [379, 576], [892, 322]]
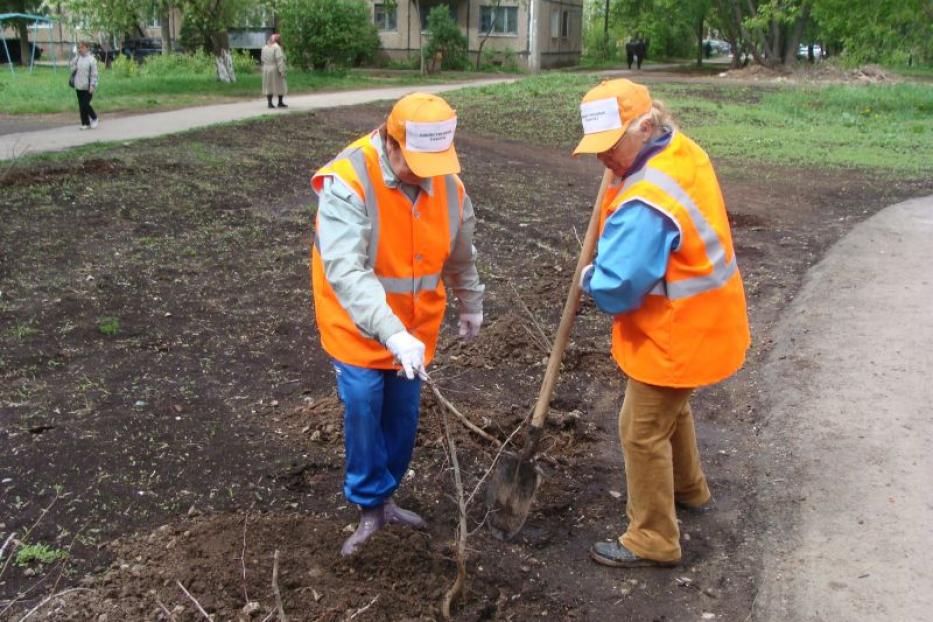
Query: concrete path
[[847, 467], [159, 123]]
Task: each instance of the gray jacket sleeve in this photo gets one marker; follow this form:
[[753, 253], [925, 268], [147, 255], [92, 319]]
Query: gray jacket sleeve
[[93, 75], [460, 270], [343, 233]]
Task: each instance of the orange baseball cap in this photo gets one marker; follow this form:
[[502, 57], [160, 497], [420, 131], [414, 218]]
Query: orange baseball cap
[[607, 110], [424, 125]]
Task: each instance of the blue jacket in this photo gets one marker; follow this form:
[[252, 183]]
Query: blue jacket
[[633, 249]]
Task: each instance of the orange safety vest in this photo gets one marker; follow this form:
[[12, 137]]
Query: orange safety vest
[[408, 247], [692, 327]]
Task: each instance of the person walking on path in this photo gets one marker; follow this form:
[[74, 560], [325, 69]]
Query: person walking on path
[[394, 226], [273, 71], [666, 271], [85, 78]]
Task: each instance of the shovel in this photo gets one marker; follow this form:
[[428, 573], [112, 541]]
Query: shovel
[[512, 488]]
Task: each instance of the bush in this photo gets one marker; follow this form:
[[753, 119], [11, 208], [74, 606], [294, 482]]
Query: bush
[[124, 67], [318, 33], [444, 36], [597, 47]]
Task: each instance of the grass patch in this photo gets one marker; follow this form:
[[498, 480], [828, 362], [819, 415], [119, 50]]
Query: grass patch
[[108, 325], [46, 89], [39, 553], [885, 127]]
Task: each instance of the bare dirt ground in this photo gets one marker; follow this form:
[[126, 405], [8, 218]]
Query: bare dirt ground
[[204, 434]]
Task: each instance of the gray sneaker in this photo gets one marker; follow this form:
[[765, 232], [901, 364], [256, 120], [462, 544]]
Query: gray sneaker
[[615, 555]]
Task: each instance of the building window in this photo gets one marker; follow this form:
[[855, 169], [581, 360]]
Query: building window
[[426, 8], [560, 23], [499, 20], [385, 17]]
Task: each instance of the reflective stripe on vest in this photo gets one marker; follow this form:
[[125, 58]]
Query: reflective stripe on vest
[[722, 271], [398, 285]]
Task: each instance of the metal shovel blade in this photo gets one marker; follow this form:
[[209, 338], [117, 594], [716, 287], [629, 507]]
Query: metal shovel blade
[[511, 493]]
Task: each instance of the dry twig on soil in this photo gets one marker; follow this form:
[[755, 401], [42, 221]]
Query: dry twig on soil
[[456, 589], [47, 600], [543, 341], [361, 610], [469, 424], [195, 601], [495, 459], [5, 543], [168, 614], [243, 559], [275, 587]]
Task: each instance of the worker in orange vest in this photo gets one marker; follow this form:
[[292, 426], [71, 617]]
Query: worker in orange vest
[[666, 271], [394, 225]]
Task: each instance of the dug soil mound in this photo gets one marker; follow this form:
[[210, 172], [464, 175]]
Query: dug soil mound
[[828, 72]]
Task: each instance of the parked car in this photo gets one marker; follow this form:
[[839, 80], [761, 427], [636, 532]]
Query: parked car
[[16, 52], [103, 55], [138, 49], [802, 51], [718, 46]]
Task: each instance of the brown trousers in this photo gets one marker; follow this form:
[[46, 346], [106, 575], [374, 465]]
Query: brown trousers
[[662, 463]]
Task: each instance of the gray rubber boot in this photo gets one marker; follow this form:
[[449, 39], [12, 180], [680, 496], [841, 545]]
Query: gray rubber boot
[[395, 515], [371, 521]]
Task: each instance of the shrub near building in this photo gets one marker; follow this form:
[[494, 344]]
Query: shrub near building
[[322, 33]]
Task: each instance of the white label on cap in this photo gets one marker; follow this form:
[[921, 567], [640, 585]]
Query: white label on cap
[[430, 137], [600, 115]]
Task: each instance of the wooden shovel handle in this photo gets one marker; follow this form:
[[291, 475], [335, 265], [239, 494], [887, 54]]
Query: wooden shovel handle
[[570, 310]]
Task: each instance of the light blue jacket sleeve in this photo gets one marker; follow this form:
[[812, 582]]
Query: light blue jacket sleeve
[[632, 255]]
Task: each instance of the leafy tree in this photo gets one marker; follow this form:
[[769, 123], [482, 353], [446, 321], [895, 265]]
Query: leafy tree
[[319, 33], [878, 30], [444, 36]]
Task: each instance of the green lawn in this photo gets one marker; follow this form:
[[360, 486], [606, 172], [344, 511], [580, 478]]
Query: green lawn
[[884, 127], [46, 89]]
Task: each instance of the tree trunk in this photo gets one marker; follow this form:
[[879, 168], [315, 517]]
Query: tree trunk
[[224, 61], [700, 41], [24, 55], [479, 51], [606, 26], [793, 41], [166, 26]]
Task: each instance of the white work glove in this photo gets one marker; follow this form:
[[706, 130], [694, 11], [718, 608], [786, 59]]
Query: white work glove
[[409, 352], [583, 276], [469, 324]]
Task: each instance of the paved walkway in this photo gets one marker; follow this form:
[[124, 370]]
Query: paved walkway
[[159, 123], [846, 467]]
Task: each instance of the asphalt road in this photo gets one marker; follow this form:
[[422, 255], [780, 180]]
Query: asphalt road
[[846, 468]]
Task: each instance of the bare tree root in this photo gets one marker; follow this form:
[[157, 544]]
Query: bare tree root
[[275, 587], [456, 589], [195, 601], [469, 424]]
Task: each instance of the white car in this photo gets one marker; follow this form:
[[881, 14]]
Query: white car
[[802, 51]]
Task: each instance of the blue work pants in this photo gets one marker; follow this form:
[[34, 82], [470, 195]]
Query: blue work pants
[[380, 422]]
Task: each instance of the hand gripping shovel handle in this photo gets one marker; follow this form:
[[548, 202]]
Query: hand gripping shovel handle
[[566, 323]]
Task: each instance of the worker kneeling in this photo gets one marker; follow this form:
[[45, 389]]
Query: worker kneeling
[[394, 224], [666, 271]]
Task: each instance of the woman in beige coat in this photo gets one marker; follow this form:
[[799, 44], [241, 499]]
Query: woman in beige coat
[[273, 71]]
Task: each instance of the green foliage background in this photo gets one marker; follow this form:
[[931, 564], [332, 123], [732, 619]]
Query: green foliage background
[[444, 36], [322, 33]]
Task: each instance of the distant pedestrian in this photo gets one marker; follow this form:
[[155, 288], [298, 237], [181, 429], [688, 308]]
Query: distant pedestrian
[[273, 71], [635, 52], [84, 80]]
